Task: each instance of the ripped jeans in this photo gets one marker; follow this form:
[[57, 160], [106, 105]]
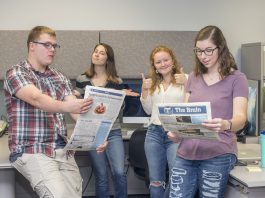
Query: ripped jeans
[[160, 152], [209, 176]]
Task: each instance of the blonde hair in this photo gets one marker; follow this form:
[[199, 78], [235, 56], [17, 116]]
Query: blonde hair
[[35, 33], [156, 77]]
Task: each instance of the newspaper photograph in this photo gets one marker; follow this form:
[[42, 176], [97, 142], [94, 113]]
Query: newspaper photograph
[[185, 119], [93, 127]]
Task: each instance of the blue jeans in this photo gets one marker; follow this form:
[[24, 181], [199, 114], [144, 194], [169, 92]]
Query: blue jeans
[[160, 152], [114, 156], [209, 176]]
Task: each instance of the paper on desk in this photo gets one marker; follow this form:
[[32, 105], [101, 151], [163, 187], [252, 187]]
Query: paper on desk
[[93, 127], [253, 169]]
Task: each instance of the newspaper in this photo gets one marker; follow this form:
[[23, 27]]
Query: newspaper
[[93, 127], [185, 119]]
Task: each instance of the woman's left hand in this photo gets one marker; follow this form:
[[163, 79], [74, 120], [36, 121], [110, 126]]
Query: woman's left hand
[[129, 92], [76, 93], [101, 148], [216, 124], [180, 78], [173, 137]]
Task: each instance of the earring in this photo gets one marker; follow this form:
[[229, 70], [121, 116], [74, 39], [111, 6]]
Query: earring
[[157, 71]]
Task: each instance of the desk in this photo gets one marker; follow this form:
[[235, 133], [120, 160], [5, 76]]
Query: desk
[[245, 184], [7, 173]]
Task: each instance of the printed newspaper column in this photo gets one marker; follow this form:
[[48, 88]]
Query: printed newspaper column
[[93, 127]]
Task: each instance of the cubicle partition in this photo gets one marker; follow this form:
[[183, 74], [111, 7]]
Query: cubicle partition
[[72, 58], [132, 49]]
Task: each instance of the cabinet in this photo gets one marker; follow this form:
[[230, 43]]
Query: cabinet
[[253, 65]]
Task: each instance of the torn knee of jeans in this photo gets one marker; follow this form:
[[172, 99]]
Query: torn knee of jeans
[[158, 184]]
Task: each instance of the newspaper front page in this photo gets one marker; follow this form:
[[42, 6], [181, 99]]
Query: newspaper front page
[[185, 119], [93, 127]]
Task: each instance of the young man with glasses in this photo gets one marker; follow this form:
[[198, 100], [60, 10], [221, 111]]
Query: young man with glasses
[[37, 96]]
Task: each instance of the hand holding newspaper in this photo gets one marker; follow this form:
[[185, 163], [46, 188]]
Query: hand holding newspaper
[[93, 127], [185, 119]]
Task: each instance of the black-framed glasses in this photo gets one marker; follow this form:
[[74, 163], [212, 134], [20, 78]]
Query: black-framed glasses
[[207, 51], [48, 45]]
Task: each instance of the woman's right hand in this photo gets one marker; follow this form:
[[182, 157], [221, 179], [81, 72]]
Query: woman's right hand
[[147, 82], [146, 85], [101, 148], [173, 137]]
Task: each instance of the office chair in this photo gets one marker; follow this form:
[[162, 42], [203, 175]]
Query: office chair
[[137, 156], [241, 134]]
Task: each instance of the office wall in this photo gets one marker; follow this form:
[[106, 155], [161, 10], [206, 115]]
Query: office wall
[[242, 21], [132, 49]]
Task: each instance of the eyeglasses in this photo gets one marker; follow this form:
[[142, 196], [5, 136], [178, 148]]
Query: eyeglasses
[[207, 51], [48, 45]]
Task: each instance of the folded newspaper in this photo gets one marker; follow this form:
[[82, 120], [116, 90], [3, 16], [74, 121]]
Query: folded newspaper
[[93, 127], [185, 119]]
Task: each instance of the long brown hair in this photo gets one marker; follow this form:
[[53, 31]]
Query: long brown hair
[[156, 77], [225, 58], [110, 65]]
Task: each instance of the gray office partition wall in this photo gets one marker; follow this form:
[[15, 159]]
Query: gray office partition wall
[[13, 48], [132, 49], [72, 58]]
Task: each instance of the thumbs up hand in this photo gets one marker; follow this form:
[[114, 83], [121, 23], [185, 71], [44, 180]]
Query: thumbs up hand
[[181, 78], [147, 83]]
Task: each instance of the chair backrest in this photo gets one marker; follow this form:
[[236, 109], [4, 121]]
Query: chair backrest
[[137, 158]]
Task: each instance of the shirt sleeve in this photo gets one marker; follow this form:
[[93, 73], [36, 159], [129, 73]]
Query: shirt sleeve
[[16, 78], [240, 86], [147, 104], [68, 87]]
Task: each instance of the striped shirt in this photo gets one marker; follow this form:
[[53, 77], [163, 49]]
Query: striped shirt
[[32, 130]]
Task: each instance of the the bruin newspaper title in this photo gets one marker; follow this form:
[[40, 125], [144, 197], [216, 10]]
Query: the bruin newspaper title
[[186, 119], [178, 109]]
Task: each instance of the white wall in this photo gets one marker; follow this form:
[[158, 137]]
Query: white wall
[[242, 21]]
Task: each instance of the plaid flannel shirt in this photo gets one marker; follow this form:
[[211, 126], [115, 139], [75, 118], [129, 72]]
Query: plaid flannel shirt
[[32, 130]]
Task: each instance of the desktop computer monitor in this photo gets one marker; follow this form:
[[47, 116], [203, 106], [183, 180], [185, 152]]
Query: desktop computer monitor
[[133, 111]]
